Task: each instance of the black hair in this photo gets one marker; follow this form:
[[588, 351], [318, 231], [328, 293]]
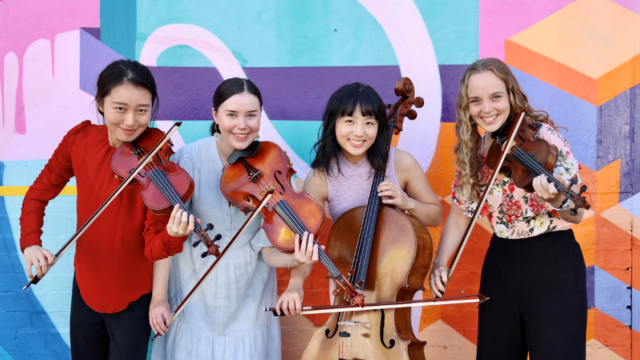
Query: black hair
[[122, 72], [344, 102], [227, 89]]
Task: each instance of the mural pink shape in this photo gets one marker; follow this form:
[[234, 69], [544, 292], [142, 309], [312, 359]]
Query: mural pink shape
[[53, 101], [46, 19], [500, 19]]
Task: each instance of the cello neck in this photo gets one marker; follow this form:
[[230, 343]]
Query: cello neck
[[367, 229]]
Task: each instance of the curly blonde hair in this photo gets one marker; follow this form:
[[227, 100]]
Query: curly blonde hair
[[468, 148]]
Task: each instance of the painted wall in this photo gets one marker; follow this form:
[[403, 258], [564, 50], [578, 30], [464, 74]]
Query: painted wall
[[568, 56]]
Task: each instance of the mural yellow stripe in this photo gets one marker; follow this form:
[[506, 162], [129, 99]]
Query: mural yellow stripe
[[22, 190]]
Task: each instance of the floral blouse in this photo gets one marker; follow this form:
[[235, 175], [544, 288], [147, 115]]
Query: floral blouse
[[513, 212]]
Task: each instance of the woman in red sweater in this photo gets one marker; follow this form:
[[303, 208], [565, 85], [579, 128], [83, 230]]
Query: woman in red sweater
[[113, 261]]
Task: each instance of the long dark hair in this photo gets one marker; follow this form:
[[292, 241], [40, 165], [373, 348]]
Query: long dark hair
[[227, 89], [344, 102], [122, 72]]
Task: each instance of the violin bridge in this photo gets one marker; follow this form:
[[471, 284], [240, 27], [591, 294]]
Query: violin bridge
[[266, 189]]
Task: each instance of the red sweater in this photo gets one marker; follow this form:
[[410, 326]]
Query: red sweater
[[114, 257]]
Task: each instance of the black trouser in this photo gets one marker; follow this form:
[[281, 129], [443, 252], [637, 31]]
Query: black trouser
[[538, 299], [121, 335]]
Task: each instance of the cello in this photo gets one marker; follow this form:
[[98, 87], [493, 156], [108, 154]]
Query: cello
[[389, 254]]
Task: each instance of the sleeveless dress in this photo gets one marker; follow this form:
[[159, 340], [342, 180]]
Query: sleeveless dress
[[224, 319], [351, 188]]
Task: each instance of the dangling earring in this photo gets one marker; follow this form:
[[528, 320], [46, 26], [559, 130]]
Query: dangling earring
[[216, 131]]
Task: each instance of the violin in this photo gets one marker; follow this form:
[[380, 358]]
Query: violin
[[164, 183], [389, 254], [263, 167], [530, 157], [131, 161], [519, 155]]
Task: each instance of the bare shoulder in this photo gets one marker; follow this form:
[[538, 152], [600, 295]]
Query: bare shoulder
[[404, 161], [315, 185]]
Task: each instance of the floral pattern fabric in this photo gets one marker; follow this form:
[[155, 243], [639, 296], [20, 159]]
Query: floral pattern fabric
[[515, 213]]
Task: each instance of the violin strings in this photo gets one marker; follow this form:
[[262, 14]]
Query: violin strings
[[538, 169], [169, 192], [298, 227]]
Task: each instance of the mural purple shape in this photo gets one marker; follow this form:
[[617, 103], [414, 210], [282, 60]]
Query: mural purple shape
[[619, 138], [289, 93]]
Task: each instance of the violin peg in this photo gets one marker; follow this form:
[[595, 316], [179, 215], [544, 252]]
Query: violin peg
[[209, 227], [412, 114], [217, 237], [418, 102], [204, 254], [387, 106], [335, 292], [195, 244], [573, 212], [574, 180], [583, 188]]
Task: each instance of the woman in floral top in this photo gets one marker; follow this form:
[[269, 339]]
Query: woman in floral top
[[534, 271]]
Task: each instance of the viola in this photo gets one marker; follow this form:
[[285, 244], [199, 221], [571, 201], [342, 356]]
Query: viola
[[164, 183], [264, 167], [530, 157], [389, 254]]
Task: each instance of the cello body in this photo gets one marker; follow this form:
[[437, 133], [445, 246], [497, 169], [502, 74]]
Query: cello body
[[401, 255]]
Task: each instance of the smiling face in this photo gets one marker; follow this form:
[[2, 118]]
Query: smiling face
[[127, 112], [239, 121], [488, 100], [356, 134]]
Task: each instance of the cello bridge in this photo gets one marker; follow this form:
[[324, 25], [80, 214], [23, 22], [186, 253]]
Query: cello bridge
[[355, 323]]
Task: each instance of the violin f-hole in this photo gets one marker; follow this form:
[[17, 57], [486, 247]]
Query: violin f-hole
[[275, 176], [392, 342]]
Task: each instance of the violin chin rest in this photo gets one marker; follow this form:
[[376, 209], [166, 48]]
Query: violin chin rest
[[251, 150]]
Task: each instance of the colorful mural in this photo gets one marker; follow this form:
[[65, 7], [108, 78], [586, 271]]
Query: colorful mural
[[569, 58]]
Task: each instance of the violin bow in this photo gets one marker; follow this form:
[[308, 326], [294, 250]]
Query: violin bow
[[483, 198], [452, 300], [254, 214], [145, 160]]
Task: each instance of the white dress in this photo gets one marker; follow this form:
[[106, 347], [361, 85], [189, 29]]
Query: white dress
[[224, 319]]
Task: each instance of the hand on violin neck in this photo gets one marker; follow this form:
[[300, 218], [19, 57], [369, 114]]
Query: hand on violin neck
[[180, 223], [304, 251], [547, 191]]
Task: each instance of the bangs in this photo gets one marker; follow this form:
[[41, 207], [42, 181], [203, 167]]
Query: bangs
[[366, 98]]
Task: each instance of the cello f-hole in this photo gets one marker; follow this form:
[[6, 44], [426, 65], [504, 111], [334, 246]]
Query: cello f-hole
[[392, 342], [335, 330]]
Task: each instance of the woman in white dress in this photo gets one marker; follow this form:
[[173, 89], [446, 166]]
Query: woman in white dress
[[224, 319]]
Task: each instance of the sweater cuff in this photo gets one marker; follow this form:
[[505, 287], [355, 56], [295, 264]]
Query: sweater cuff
[[25, 243], [174, 243]]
